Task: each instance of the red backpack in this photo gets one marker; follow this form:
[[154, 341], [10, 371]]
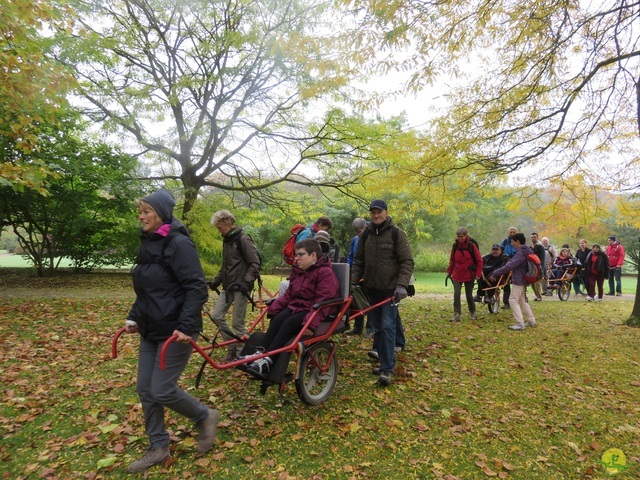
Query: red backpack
[[288, 251], [534, 270]]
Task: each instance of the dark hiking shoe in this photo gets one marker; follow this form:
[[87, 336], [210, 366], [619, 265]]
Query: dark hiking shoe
[[207, 431], [384, 379], [153, 456]]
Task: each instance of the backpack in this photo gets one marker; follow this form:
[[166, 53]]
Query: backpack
[[471, 240], [239, 247], [534, 270], [288, 251], [472, 268]]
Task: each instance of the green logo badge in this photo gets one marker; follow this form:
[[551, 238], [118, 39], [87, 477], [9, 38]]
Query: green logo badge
[[614, 461]]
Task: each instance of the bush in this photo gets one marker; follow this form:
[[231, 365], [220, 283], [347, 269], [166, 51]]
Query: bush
[[431, 259], [8, 241]]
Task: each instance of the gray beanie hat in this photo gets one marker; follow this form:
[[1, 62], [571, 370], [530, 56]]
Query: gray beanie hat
[[322, 236], [162, 202]]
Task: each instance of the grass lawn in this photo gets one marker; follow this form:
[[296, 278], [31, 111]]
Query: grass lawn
[[469, 401]]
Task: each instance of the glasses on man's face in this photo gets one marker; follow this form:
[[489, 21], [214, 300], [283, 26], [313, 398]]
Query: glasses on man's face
[[301, 254]]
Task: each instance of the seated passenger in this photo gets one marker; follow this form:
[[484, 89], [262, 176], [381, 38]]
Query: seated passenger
[[491, 261], [312, 282], [560, 265]]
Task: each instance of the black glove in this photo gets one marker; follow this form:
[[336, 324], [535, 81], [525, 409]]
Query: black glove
[[411, 290], [245, 288], [400, 293], [214, 284]]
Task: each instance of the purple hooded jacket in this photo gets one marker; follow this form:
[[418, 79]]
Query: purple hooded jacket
[[517, 265], [316, 284]]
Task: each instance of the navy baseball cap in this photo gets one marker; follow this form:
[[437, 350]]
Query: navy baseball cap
[[380, 204]]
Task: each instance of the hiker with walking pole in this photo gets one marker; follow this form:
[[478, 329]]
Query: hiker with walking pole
[[465, 267]]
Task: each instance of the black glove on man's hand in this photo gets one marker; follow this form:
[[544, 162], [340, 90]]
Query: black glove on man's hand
[[214, 284], [400, 293], [411, 290], [245, 288]]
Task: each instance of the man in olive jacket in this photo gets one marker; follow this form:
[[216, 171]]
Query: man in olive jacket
[[383, 265], [240, 268]]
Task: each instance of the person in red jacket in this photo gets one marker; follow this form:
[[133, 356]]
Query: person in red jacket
[[465, 266], [615, 254], [313, 282]]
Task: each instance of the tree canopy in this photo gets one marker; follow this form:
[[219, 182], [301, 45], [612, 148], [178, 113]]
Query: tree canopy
[[552, 87], [32, 87], [227, 94]]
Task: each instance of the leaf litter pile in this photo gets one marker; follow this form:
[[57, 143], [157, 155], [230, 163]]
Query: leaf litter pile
[[470, 400]]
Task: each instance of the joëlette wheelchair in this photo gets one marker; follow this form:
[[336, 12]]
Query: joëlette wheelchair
[[316, 366], [493, 294], [563, 284]]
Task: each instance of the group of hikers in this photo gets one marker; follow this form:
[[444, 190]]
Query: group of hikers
[[587, 266], [171, 289]]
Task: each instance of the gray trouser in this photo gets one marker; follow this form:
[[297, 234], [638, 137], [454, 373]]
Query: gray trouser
[[239, 302], [158, 389]]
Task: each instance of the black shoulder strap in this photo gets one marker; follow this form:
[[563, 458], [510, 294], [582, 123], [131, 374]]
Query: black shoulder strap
[[394, 237]]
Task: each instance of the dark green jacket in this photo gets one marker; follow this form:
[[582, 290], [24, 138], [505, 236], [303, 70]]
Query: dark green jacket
[[240, 260], [382, 266]]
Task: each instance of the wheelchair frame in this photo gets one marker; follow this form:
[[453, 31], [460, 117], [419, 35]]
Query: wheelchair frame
[[316, 366]]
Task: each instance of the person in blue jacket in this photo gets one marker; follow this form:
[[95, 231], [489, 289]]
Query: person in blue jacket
[[170, 290], [509, 251]]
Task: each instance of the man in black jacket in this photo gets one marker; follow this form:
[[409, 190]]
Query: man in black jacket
[[491, 261]]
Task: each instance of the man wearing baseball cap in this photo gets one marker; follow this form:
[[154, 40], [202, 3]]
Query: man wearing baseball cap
[[490, 262], [383, 265]]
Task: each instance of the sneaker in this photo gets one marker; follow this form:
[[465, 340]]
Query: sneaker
[[548, 294], [207, 431], [373, 354], [537, 299], [261, 366], [376, 371], [397, 349], [506, 307], [477, 298], [153, 456], [532, 324], [590, 299], [384, 379], [456, 317], [618, 294], [473, 316], [259, 351], [599, 299], [611, 294], [517, 326], [354, 332]]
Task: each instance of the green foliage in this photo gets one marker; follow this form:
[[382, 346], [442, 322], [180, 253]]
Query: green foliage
[[89, 215], [214, 91], [32, 88], [8, 240], [431, 259]]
